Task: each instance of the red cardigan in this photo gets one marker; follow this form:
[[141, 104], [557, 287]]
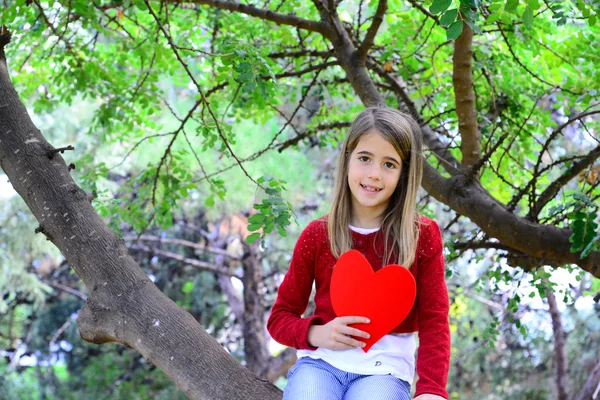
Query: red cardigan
[[312, 261]]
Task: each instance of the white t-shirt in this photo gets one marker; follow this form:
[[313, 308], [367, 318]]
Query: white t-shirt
[[393, 354]]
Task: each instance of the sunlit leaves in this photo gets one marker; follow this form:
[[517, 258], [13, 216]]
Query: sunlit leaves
[[439, 5], [273, 212], [454, 30], [449, 17]]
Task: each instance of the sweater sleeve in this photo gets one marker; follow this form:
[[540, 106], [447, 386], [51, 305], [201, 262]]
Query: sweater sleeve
[[285, 324], [433, 355]]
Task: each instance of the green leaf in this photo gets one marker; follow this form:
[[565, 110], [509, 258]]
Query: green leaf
[[254, 227], [188, 287], [439, 5], [493, 18], [210, 201], [454, 30], [281, 230], [275, 200], [269, 227], [528, 17], [256, 219], [592, 20], [474, 27], [252, 238], [449, 17], [511, 5]]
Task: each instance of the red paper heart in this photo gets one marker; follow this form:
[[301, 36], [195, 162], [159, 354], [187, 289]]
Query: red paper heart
[[385, 297]]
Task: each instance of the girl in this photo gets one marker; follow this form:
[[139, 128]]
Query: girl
[[373, 211]]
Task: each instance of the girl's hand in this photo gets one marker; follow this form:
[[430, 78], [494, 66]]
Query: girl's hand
[[335, 335], [429, 397]]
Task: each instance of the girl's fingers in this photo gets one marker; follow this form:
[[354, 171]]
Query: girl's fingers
[[354, 320], [347, 340], [354, 332], [359, 333]]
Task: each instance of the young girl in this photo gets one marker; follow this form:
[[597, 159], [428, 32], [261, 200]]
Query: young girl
[[374, 212]]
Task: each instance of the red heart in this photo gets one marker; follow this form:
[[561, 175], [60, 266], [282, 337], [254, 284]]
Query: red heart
[[385, 297]]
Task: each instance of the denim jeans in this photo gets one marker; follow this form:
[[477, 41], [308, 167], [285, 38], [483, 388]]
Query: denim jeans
[[315, 379]]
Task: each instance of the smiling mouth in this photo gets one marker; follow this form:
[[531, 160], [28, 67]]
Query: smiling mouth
[[370, 188]]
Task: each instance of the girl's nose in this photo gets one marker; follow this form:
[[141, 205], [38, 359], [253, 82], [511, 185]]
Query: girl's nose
[[375, 173]]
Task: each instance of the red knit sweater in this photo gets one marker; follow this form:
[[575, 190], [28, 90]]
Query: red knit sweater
[[312, 261]]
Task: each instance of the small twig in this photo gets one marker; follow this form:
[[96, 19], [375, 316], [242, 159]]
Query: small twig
[[136, 145], [60, 150], [201, 265], [58, 333], [510, 49]]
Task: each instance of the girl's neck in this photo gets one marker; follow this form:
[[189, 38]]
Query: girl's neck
[[365, 222]]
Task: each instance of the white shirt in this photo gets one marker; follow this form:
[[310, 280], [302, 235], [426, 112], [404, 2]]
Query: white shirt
[[393, 354]]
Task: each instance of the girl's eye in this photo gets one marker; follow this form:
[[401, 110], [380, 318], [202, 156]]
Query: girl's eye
[[363, 158], [389, 165]]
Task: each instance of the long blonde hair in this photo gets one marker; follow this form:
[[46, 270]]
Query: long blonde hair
[[400, 222]]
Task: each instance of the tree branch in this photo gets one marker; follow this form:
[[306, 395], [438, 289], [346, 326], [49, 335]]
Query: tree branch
[[592, 385], [510, 49], [462, 78], [268, 15], [185, 243], [548, 244], [365, 46], [449, 163], [556, 185], [560, 352], [67, 289], [201, 265]]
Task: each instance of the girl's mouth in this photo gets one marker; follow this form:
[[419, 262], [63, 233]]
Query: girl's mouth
[[370, 189]]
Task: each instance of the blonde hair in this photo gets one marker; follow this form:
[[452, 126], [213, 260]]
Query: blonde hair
[[400, 222]]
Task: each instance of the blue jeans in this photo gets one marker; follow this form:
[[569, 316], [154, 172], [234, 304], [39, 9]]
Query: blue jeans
[[315, 379]]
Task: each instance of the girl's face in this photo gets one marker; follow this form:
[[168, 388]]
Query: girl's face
[[374, 170]]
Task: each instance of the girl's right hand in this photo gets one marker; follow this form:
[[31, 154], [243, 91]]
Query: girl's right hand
[[335, 335]]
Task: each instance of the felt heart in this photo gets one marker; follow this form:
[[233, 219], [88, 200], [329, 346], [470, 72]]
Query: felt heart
[[385, 297]]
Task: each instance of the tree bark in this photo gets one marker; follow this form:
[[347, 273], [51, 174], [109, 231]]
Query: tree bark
[[560, 351], [255, 343], [123, 304], [464, 98], [548, 244], [592, 385]]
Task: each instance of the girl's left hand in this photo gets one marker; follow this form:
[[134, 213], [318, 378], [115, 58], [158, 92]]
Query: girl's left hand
[[429, 397]]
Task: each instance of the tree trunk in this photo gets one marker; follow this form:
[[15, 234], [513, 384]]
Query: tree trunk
[[255, 343], [560, 351], [123, 305], [592, 385]]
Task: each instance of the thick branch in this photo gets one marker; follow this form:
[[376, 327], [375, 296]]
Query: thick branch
[[592, 384], [549, 244], [464, 97], [560, 351], [268, 15], [349, 58], [449, 163], [555, 186], [278, 366], [255, 343], [123, 304], [372, 32]]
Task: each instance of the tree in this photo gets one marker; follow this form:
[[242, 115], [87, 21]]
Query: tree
[[532, 210]]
